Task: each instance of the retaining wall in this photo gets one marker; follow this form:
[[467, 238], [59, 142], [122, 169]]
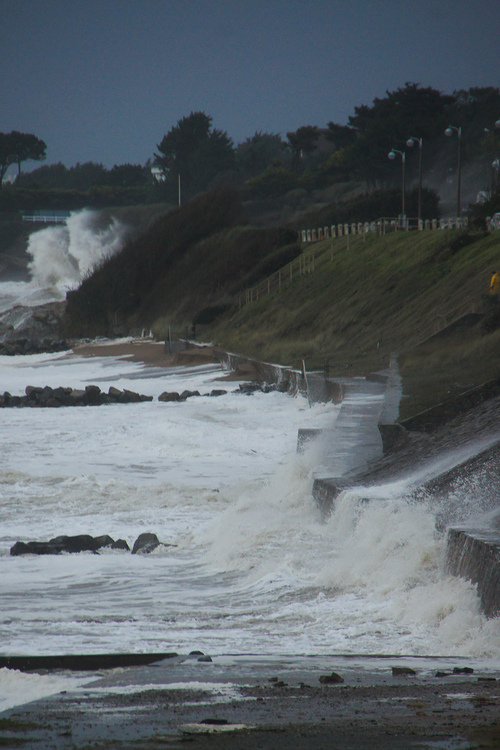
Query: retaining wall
[[315, 387], [474, 554], [436, 416]]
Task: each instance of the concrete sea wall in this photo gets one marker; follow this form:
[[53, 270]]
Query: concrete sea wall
[[315, 387], [474, 554]]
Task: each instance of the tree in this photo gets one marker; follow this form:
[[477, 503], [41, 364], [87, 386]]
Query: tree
[[341, 135], [275, 180], [195, 152], [389, 122], [257, 153], [127, 175], [302, 142], [27, 147], [7, 156]]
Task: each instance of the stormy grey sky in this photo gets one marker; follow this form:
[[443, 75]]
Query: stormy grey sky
[[104, 80]]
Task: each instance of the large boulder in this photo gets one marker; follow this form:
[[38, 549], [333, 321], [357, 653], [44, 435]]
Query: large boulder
[[70, 544], [145, 543]]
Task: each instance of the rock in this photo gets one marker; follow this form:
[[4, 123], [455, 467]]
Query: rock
[[33, 548], [204, 658], [217, 392], [120, 544], [330, 679], [145, 543], [76, 397], [248, 388], [166, 396], [104, 541], [56, 397], [188, 394], [403, 671], [30, 330], [70, 544], [79, 543], [34, 393], [92, 395]]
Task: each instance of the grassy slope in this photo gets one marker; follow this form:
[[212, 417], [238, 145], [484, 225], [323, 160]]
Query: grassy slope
[[370, 297]]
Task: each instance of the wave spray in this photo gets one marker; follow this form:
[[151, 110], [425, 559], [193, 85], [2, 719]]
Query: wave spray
[[62, 255]]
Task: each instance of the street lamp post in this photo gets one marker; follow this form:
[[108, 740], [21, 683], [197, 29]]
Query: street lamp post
[[411, 142], [392, 156], [449, 132], [494, 166]]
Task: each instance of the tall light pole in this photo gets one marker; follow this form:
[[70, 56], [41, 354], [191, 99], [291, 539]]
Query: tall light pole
[[411, 142], [392, 156], [449, 132], [494, 166]]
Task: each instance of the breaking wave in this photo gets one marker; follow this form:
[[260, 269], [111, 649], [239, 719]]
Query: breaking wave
[[62, 255]]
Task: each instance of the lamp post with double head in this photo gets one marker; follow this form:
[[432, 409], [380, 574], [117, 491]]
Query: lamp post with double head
[[449, 132], [392, 155], [410, 143]]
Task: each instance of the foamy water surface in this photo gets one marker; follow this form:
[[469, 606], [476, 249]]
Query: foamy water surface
[[251, 567]]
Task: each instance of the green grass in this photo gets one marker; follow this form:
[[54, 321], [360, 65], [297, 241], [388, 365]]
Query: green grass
[[367, 297], [374, 296]]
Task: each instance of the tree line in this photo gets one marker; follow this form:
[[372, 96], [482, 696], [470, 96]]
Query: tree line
[[194, 156]]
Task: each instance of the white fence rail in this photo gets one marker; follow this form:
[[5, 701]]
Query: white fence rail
[[380, 226]]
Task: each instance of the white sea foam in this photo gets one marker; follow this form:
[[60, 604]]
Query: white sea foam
[[63, 254], [17, 687], [252, 568]]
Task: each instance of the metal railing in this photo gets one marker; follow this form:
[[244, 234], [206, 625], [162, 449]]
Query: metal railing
[[47, 218], [300, 266]]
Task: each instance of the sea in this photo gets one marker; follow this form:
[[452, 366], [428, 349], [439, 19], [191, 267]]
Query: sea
[[248, 564]]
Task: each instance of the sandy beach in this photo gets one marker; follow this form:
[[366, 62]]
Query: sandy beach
[[155, 354]]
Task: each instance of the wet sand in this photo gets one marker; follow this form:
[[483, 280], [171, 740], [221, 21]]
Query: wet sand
[[155, 354], [254, 702]]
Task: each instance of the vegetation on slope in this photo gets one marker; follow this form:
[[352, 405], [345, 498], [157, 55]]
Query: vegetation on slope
[[371, 296], [363, 299], [193, 258]]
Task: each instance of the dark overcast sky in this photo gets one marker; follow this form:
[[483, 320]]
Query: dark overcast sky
[[104, 80]]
